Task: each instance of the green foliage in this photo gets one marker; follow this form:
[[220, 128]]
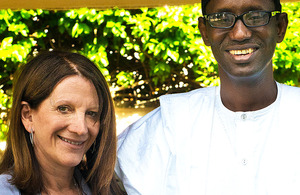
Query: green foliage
[[4, 108], [287, 55], [143, 53]]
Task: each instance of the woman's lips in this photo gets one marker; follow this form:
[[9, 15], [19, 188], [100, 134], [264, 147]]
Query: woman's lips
[[70, 142]]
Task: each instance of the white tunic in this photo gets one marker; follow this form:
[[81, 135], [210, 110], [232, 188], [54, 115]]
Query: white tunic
[[192, 144]]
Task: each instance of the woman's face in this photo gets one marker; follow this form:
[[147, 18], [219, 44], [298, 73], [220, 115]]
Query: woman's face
[[67, 123]]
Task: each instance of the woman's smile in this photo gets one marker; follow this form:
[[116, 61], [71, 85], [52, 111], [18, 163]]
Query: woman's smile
[[71, 142]]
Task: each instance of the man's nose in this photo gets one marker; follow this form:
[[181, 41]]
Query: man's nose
[[240, 32]]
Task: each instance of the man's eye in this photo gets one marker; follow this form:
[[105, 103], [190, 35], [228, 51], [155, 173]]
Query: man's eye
[[254, 18]]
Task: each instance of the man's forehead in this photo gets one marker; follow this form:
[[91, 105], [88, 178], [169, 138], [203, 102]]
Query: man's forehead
[[238, 7]]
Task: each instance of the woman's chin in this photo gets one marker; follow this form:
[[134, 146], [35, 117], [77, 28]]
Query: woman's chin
[[71, 161]]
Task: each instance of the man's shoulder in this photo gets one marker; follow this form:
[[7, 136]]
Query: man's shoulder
[[201, 92], [191, 99], [173, 109], [177, 102], [289, 102], [290, 88], [290, 93]]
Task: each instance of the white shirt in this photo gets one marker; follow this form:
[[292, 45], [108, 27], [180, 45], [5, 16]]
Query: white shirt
[[192, 144]]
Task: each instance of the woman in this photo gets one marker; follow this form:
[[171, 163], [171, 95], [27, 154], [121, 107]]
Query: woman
[[62, 132]]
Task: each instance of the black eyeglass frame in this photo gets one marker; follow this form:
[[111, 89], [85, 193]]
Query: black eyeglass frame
[[237, 17]]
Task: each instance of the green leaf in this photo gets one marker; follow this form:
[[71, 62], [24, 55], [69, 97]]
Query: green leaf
[[75, 30], [7, 42], [173, 55]]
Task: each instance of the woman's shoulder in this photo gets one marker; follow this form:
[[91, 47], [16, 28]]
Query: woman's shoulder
[[6, 187]]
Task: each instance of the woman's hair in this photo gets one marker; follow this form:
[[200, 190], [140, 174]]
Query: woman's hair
[[34, 83], [205, 2]]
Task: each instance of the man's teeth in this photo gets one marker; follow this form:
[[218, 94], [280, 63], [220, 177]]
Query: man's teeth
[[74, 143], [242, 52]]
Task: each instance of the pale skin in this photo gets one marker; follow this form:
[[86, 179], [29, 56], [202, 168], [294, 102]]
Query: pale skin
[[65, 126], [247, 82]]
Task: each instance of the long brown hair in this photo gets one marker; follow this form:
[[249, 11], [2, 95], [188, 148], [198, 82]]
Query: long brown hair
[[34, 83]]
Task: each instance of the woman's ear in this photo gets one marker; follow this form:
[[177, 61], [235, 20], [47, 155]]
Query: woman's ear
[[26, 116], [203, 31]]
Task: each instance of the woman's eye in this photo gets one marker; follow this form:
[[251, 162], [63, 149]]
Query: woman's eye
[[63, 109], [92, 114]]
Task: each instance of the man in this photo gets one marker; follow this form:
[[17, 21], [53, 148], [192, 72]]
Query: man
[[240, 138]]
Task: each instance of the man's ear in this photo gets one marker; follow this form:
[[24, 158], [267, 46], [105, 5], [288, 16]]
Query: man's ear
[[26, 116], [203, 31], [282, 26]]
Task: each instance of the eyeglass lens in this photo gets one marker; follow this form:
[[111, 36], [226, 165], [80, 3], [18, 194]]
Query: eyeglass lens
[[256, 18], [250, 19]]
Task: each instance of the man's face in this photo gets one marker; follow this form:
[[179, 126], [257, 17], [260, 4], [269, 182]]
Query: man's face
[[243, 52]]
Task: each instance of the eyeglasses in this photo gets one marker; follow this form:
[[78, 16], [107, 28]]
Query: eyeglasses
[[250, 19]]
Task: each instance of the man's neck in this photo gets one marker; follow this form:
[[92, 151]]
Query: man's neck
[[248, 96]]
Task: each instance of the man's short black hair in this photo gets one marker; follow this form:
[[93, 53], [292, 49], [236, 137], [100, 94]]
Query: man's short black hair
[[205, 2]]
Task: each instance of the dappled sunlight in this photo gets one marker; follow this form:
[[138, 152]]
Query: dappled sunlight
[[127, 116], [2, 145], [124, 122]]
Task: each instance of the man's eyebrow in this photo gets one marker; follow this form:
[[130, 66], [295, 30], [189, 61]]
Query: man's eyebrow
[[223, 10], [250, 8]]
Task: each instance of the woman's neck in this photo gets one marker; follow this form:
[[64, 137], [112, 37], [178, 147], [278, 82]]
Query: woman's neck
[[57, 180]]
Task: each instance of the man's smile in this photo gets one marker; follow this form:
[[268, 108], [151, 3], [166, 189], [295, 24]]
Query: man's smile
[[242, 55], [242, 51]]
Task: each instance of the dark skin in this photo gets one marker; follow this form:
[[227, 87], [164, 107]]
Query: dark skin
[[247, 82]]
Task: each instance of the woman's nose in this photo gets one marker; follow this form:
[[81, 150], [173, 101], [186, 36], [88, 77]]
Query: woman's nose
[[79, 125]]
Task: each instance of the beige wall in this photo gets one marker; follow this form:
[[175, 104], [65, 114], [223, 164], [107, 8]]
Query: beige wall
[[101, 4]]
